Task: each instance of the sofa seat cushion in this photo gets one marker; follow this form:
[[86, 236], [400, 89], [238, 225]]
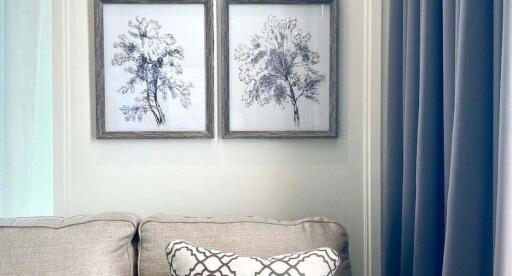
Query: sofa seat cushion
[[79, 245], [246, 236], [188, 260]]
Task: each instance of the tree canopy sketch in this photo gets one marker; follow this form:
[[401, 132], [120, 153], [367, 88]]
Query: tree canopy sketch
[[152, 61], [277, 66]]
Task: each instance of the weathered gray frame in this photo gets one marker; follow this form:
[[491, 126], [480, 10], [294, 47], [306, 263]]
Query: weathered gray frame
[[223, 73], [101, 132]]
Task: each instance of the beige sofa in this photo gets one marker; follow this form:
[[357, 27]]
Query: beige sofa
[[122, 244]]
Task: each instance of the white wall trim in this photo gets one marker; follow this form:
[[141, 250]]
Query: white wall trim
[[372, 135], [61, 105]]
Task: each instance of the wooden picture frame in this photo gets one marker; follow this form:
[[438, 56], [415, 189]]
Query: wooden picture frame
[[223, 24], [101, 131]]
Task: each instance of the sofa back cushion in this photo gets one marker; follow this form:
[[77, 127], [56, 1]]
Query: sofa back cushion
[[79, 245], [248, 236]]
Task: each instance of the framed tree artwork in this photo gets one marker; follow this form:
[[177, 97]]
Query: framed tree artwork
[[278, 68], [154, 68]]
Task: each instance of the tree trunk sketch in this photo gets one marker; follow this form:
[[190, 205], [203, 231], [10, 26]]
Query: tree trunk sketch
[[154, 60]]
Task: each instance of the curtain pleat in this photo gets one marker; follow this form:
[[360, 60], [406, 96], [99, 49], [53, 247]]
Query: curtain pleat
[[410, 131], [449, 31], [429, 215], [393, 161], [469, 222], [503, 238], [441, 103], [498, 29]]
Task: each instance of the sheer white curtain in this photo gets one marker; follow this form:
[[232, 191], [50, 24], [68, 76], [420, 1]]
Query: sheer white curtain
[[26, 108]]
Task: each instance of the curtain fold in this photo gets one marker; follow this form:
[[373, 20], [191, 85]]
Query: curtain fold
[[429, 211], [503, 240], [392, 170], [469, 220], [443, 92], [410, 130], [26, 139]]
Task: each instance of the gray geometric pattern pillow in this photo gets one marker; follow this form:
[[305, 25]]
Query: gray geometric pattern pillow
[[189, 260]]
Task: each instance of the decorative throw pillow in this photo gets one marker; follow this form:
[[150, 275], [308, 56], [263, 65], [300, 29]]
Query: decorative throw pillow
[[189, 260]]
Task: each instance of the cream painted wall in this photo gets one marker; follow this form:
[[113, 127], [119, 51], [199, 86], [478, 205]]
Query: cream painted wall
[[273, 178]]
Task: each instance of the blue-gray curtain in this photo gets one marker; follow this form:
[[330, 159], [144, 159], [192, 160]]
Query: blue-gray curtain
[[440, 140]]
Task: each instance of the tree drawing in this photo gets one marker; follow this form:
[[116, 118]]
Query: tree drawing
[[152, 60], [277, 66]]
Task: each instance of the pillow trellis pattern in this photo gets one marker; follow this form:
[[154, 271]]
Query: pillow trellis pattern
[[188, 260]]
